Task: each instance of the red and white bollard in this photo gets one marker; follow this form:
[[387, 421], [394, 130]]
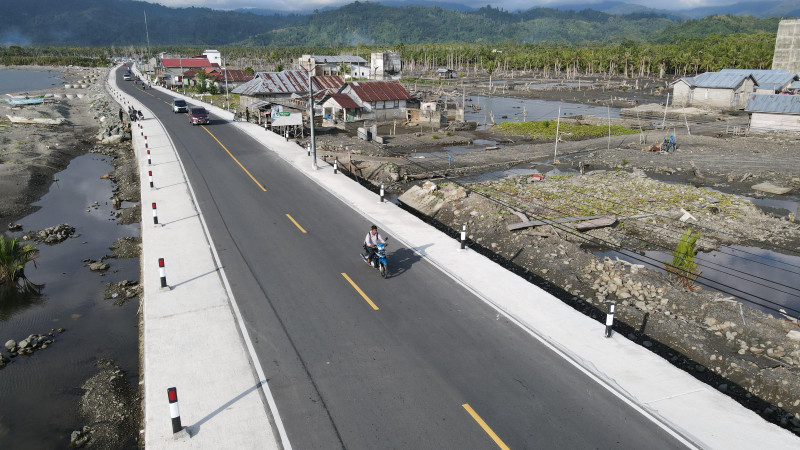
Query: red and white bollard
[[610, 320], [335, 165], [150, 177], [382, 192], [463, 237], [162, 272], [174, 411], [149, 162], [155, 214], [145, 141]]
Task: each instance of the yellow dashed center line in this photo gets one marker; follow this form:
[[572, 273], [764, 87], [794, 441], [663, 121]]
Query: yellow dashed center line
[[234, 158], [358, 289], [485, 427], [295, 223]]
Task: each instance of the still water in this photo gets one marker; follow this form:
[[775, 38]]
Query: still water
[[516, 109], [39, 394], [14, 81]]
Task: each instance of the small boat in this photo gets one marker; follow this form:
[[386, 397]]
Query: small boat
[[37, 120], [24, 101]]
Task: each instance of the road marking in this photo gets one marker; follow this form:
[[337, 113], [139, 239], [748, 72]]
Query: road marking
[[485, 427], [295, 223], [355, 286], [234, 158]]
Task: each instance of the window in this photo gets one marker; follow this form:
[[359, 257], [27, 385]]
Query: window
[[397, 103]]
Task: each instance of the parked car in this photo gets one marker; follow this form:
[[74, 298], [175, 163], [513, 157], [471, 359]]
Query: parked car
[[198, 116], [179, 105]]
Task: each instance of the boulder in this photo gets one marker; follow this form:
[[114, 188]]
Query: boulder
[[11, 344]]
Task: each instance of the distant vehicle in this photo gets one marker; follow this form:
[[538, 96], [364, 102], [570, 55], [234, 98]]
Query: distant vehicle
[[126, 77], [179, 105], [198, 116]]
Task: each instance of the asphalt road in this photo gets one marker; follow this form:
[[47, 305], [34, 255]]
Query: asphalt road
[[432, 367]]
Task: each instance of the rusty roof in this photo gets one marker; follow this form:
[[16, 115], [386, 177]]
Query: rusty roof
[[371, 91], [235, 76], [345, 101], [286, 82]]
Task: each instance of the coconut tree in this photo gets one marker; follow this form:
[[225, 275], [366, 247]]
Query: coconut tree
[[13, 258]]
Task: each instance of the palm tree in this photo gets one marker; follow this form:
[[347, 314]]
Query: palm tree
[[13, 257]]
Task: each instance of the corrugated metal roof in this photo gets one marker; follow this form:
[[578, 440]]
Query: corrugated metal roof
[[347, 59], [774, 103], [763, 77], [286, 82], [372, 91], [795, 85], [719, 80], [687, 80], [345, 101]]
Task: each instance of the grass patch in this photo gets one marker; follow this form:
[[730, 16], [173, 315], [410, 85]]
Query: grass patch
[[546, 129]]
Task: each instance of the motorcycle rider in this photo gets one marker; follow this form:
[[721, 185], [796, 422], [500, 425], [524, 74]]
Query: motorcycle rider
[[371, 242]]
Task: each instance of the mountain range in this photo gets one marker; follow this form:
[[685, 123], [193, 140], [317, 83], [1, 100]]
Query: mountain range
[[122, 22]]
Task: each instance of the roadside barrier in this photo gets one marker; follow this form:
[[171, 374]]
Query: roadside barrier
[[162, 272], [155, 214], [382, 192], [335, 165], [174, 411], [464, 237], [150, 177], [149, 162], [610, 320]]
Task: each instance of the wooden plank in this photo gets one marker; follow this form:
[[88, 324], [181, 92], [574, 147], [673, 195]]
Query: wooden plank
[[595, 223], [771, 188], [536, 223]]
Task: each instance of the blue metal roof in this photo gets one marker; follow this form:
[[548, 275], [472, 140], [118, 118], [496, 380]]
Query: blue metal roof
[[774, 103], [795, 85], [766, 79], [719, 80]]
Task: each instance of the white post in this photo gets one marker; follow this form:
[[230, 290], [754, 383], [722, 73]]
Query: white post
[[664, 122], [609, 127], [558, 125]]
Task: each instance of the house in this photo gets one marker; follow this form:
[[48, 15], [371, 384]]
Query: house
[[446, 73], [174, 68], [381, 100], [356, 71], [385, 65], [774, 112], [280, 87], [328, 64], [341, 107], [767, 81], [233, 78], [714, 90]]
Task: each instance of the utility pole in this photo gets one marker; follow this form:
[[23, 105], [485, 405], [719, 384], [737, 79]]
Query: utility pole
[[227, 99], [147, 33], [311, 115]]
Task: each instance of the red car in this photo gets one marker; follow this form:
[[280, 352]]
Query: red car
[[198, 116]]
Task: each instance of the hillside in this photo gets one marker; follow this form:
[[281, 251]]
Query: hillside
[[121, 22]]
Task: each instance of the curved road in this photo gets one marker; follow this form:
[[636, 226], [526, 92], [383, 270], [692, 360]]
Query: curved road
[[431, 367]]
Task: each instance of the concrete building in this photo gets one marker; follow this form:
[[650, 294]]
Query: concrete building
[[774, 112], [213, 56], [385, 65], [328, 64], [787, 46], [714, 90]]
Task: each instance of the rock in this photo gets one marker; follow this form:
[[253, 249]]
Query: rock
[[10, 344], [14, 227], [793, 335], [23, 344], [98, 266]]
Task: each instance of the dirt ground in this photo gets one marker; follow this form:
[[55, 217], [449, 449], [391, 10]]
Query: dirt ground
[[750, 355]]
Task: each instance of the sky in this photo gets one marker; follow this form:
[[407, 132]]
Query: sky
[[510, 5]]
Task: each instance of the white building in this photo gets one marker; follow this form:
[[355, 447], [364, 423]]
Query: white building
[[213, 56], [774, 112], [385, 65], [714, 90]]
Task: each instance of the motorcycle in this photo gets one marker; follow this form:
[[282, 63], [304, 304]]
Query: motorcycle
[[379, 259]]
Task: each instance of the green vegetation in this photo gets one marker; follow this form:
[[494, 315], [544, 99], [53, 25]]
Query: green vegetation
[[546, 129], [683, 268], [13, 258]]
